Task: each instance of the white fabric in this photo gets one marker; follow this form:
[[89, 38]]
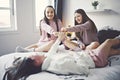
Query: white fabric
[[64, 63], [106, 73]]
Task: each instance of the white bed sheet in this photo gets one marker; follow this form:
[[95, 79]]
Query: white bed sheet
[[107, 73]]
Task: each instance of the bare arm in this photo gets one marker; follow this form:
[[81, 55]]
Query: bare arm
[[55, 46]]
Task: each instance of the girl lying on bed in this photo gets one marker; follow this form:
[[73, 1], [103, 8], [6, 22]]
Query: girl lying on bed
[[71, 63]]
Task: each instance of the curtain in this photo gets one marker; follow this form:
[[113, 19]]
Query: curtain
[[59, 8]]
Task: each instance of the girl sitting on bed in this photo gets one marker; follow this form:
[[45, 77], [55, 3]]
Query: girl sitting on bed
[[85, 29], [69, 63], [49, 25]]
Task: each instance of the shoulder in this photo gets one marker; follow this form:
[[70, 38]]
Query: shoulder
[[58, 20], [88, 22], [42, 21]]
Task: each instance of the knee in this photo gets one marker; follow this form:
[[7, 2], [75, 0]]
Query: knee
[[95, 43], [108, 40]]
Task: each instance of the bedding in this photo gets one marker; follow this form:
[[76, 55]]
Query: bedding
[[110, 72]]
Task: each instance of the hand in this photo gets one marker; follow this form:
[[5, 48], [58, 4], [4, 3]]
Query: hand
[[55, 33], [81, 45], [63, 29], [61, 36]]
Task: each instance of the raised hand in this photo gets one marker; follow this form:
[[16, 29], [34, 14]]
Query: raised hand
[[61, 35], [63, 29]]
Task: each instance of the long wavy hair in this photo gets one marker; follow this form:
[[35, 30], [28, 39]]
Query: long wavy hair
[[21, 69], [55, 18], [85, 18]]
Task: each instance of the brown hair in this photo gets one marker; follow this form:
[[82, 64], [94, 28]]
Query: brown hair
[[21, 68], [55, 18], [85, 18]]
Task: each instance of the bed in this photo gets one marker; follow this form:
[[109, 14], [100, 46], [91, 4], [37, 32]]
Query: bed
[[110, 72]]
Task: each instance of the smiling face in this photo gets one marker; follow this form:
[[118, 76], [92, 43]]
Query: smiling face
[[78, 17], [38, 59], [49, 12]]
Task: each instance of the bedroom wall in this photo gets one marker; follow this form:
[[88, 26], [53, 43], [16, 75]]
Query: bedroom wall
[[110, 17], [25, 34]]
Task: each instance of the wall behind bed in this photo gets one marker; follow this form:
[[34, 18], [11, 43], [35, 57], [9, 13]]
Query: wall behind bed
[[108, 17]]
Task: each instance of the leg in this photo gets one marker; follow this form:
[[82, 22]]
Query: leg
[[105, 47], [114, 52], [93, 45], [32, 46], [45, 47], [104, 51], [35, 48]]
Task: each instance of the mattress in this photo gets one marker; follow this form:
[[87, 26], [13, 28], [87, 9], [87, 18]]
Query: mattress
[[110, 72]]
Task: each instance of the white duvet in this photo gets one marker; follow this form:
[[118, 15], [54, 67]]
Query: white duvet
[[107, 73]]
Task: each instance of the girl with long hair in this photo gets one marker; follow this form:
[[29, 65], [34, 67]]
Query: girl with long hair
[[49, 26], [85, 29]]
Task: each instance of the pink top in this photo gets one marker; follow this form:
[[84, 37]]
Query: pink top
[[86, 33], [45, 28]]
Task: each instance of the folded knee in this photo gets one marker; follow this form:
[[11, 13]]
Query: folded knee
[[108, 40]]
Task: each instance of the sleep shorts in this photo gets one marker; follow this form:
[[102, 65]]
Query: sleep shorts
[[99, 57]]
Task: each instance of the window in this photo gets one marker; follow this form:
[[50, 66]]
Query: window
[[7, 15], [39, 9]]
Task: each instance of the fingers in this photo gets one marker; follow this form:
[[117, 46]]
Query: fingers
[[61, 36], [63, 29], [56, 33], [82, 46], [59, 33]]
